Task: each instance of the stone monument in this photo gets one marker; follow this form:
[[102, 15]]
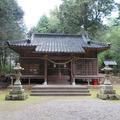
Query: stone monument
[[106, 90], [17, 92]]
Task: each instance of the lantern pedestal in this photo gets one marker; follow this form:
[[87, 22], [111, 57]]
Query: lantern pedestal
[[106, 90], [107, 93], [17, 92]]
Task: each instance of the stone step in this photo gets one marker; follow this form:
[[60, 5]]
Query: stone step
[[59, 87], [59, 90], [62, 89], [60, 94]]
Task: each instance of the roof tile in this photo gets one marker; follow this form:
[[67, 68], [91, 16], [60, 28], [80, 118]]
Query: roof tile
[[53, 43]]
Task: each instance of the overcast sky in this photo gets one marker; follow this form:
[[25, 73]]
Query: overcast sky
[[34, 9]]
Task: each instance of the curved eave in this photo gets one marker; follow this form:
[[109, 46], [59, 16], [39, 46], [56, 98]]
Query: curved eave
[[18, 49], [50, 52], [22, 45], [100, 49]]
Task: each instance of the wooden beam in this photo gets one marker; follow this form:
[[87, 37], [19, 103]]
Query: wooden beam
[[41, 57]]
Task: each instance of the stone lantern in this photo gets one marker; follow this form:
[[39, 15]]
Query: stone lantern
[[17, 91], [106, 89]]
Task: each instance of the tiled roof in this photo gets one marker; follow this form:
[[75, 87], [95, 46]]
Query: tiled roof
[[2, 42], [53, 43], [110, 62]]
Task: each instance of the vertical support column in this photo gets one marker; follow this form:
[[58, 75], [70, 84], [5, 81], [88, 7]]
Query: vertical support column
[[12, 82], [10, 62], [99, 81], [73, 72], [29, 81], [45, 73], [97, 66], [88, 80]]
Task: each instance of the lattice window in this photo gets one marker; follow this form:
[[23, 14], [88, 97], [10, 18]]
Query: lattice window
[[86, 67], [32, 67]]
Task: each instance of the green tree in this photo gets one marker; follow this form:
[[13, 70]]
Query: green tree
[[43, 24], [48, 24], [112, 36], [11, 22], [11, 27], [87, 13], [72, 15], [54, 21]]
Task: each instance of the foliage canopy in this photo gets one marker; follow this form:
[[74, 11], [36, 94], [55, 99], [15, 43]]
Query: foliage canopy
[[11, 27]]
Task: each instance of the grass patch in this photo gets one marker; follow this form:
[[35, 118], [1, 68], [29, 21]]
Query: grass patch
[[117, 88], [2, 94], [14, 105], [94, 92]]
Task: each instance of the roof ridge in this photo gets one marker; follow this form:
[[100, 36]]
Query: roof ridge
[[56, 34], [98, 42], [16, 41]]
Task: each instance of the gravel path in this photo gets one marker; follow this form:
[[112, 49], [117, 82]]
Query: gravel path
[[62, 109]]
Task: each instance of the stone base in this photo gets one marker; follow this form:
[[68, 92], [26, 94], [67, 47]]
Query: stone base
[[22, 96], [107, 92], [17, 92], [108, 96], [16, 95]]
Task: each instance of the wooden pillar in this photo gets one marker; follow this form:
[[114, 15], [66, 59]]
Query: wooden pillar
[[99, 81], [12, 82], [88, 80], [10, 62], [45, 73], [73, 72], [29, 81], [97, 66]]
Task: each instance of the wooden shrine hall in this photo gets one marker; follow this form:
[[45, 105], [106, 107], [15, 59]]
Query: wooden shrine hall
[[57, 59]]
